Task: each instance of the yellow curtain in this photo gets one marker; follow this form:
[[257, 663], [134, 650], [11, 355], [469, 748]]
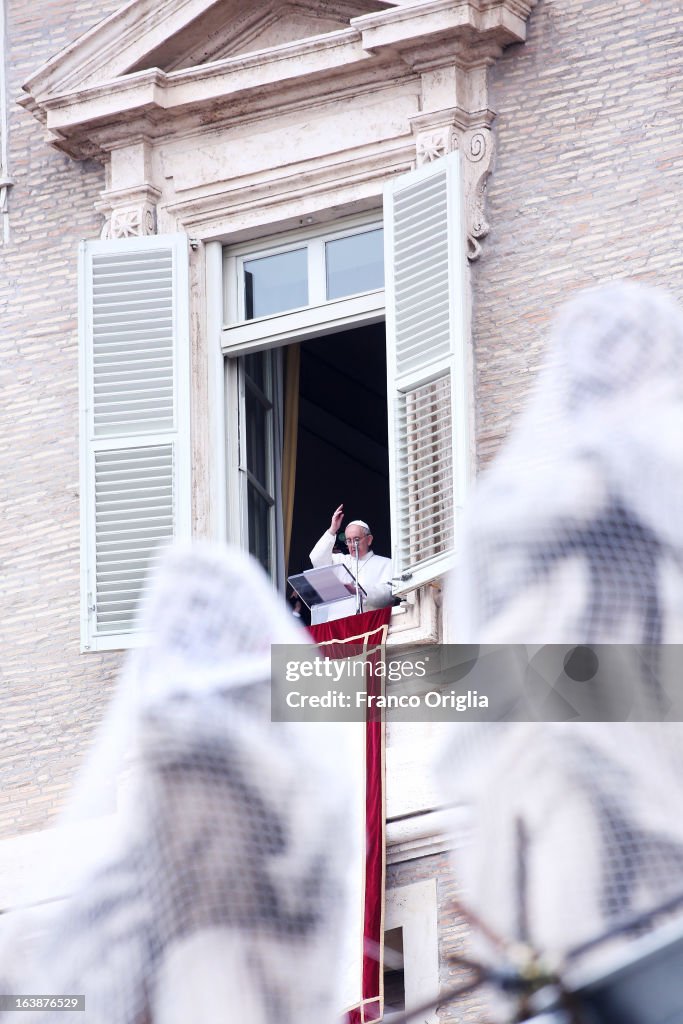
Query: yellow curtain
[[289, 439]]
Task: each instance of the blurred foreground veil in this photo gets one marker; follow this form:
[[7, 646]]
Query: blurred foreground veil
[[221, 896], [575, 536]]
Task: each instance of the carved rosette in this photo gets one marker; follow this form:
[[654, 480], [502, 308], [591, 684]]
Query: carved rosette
[[431, 145], [131, 221]]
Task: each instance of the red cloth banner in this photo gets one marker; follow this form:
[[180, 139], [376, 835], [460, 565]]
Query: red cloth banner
[[344, 638]]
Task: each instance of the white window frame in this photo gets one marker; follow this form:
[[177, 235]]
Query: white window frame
[[272, 490], [321, 316], [417, 618], [241, 338]]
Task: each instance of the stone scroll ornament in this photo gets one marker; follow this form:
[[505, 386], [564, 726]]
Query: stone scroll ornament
[[478, 150], [476, 145]]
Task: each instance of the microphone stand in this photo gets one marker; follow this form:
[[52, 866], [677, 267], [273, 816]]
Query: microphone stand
[[359, 603]]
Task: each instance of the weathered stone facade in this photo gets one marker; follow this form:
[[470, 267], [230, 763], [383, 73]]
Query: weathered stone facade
[[586, 184], [52, 696], [454, 933]]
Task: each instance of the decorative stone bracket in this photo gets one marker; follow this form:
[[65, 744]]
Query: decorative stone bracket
[[130, 212], [464, 125], [129, 203], [476, 145]]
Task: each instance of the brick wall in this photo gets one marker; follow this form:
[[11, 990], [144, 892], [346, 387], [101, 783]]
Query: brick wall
[[50, 694], [586, 186], [454, 933], [587, 182]]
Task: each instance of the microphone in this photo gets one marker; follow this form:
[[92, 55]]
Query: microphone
[[353, 544]]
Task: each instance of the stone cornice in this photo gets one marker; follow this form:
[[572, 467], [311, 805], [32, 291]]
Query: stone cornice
[[76, 101], [419, 22], [236, 82], [326, 118], [121, 42], [427, 833]]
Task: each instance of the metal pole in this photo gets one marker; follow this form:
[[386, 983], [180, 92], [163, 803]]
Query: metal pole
[[5, 180]]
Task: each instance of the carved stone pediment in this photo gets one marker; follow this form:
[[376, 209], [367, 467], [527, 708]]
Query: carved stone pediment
[[201, 108], [154, 59], [172, 35], [230, 29]]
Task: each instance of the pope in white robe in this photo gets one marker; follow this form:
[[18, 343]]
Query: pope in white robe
[[374, 571]]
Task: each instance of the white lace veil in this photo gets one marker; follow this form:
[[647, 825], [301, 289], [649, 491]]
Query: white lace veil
[[586, 499], [221, 893], [574, 535]]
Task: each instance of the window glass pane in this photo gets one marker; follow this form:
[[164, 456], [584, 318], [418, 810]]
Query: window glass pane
[[255, 369], [274, 284], [256, 426], [355, 264], [258, 515]]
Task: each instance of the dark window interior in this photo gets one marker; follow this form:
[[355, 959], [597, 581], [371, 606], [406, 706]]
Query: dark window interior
[[394, 979], [342, 453]]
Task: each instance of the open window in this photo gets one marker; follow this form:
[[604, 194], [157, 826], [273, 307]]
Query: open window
[[394, 975], [347, 380], [309, 328], [368, 319], [303, 448]]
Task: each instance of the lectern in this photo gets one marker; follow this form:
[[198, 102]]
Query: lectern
[[330, 592]]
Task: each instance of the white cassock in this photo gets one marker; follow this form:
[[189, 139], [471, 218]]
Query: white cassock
[[374, 571]]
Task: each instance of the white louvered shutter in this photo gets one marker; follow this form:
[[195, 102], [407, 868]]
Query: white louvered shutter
[[135, 455], [428, 372]]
